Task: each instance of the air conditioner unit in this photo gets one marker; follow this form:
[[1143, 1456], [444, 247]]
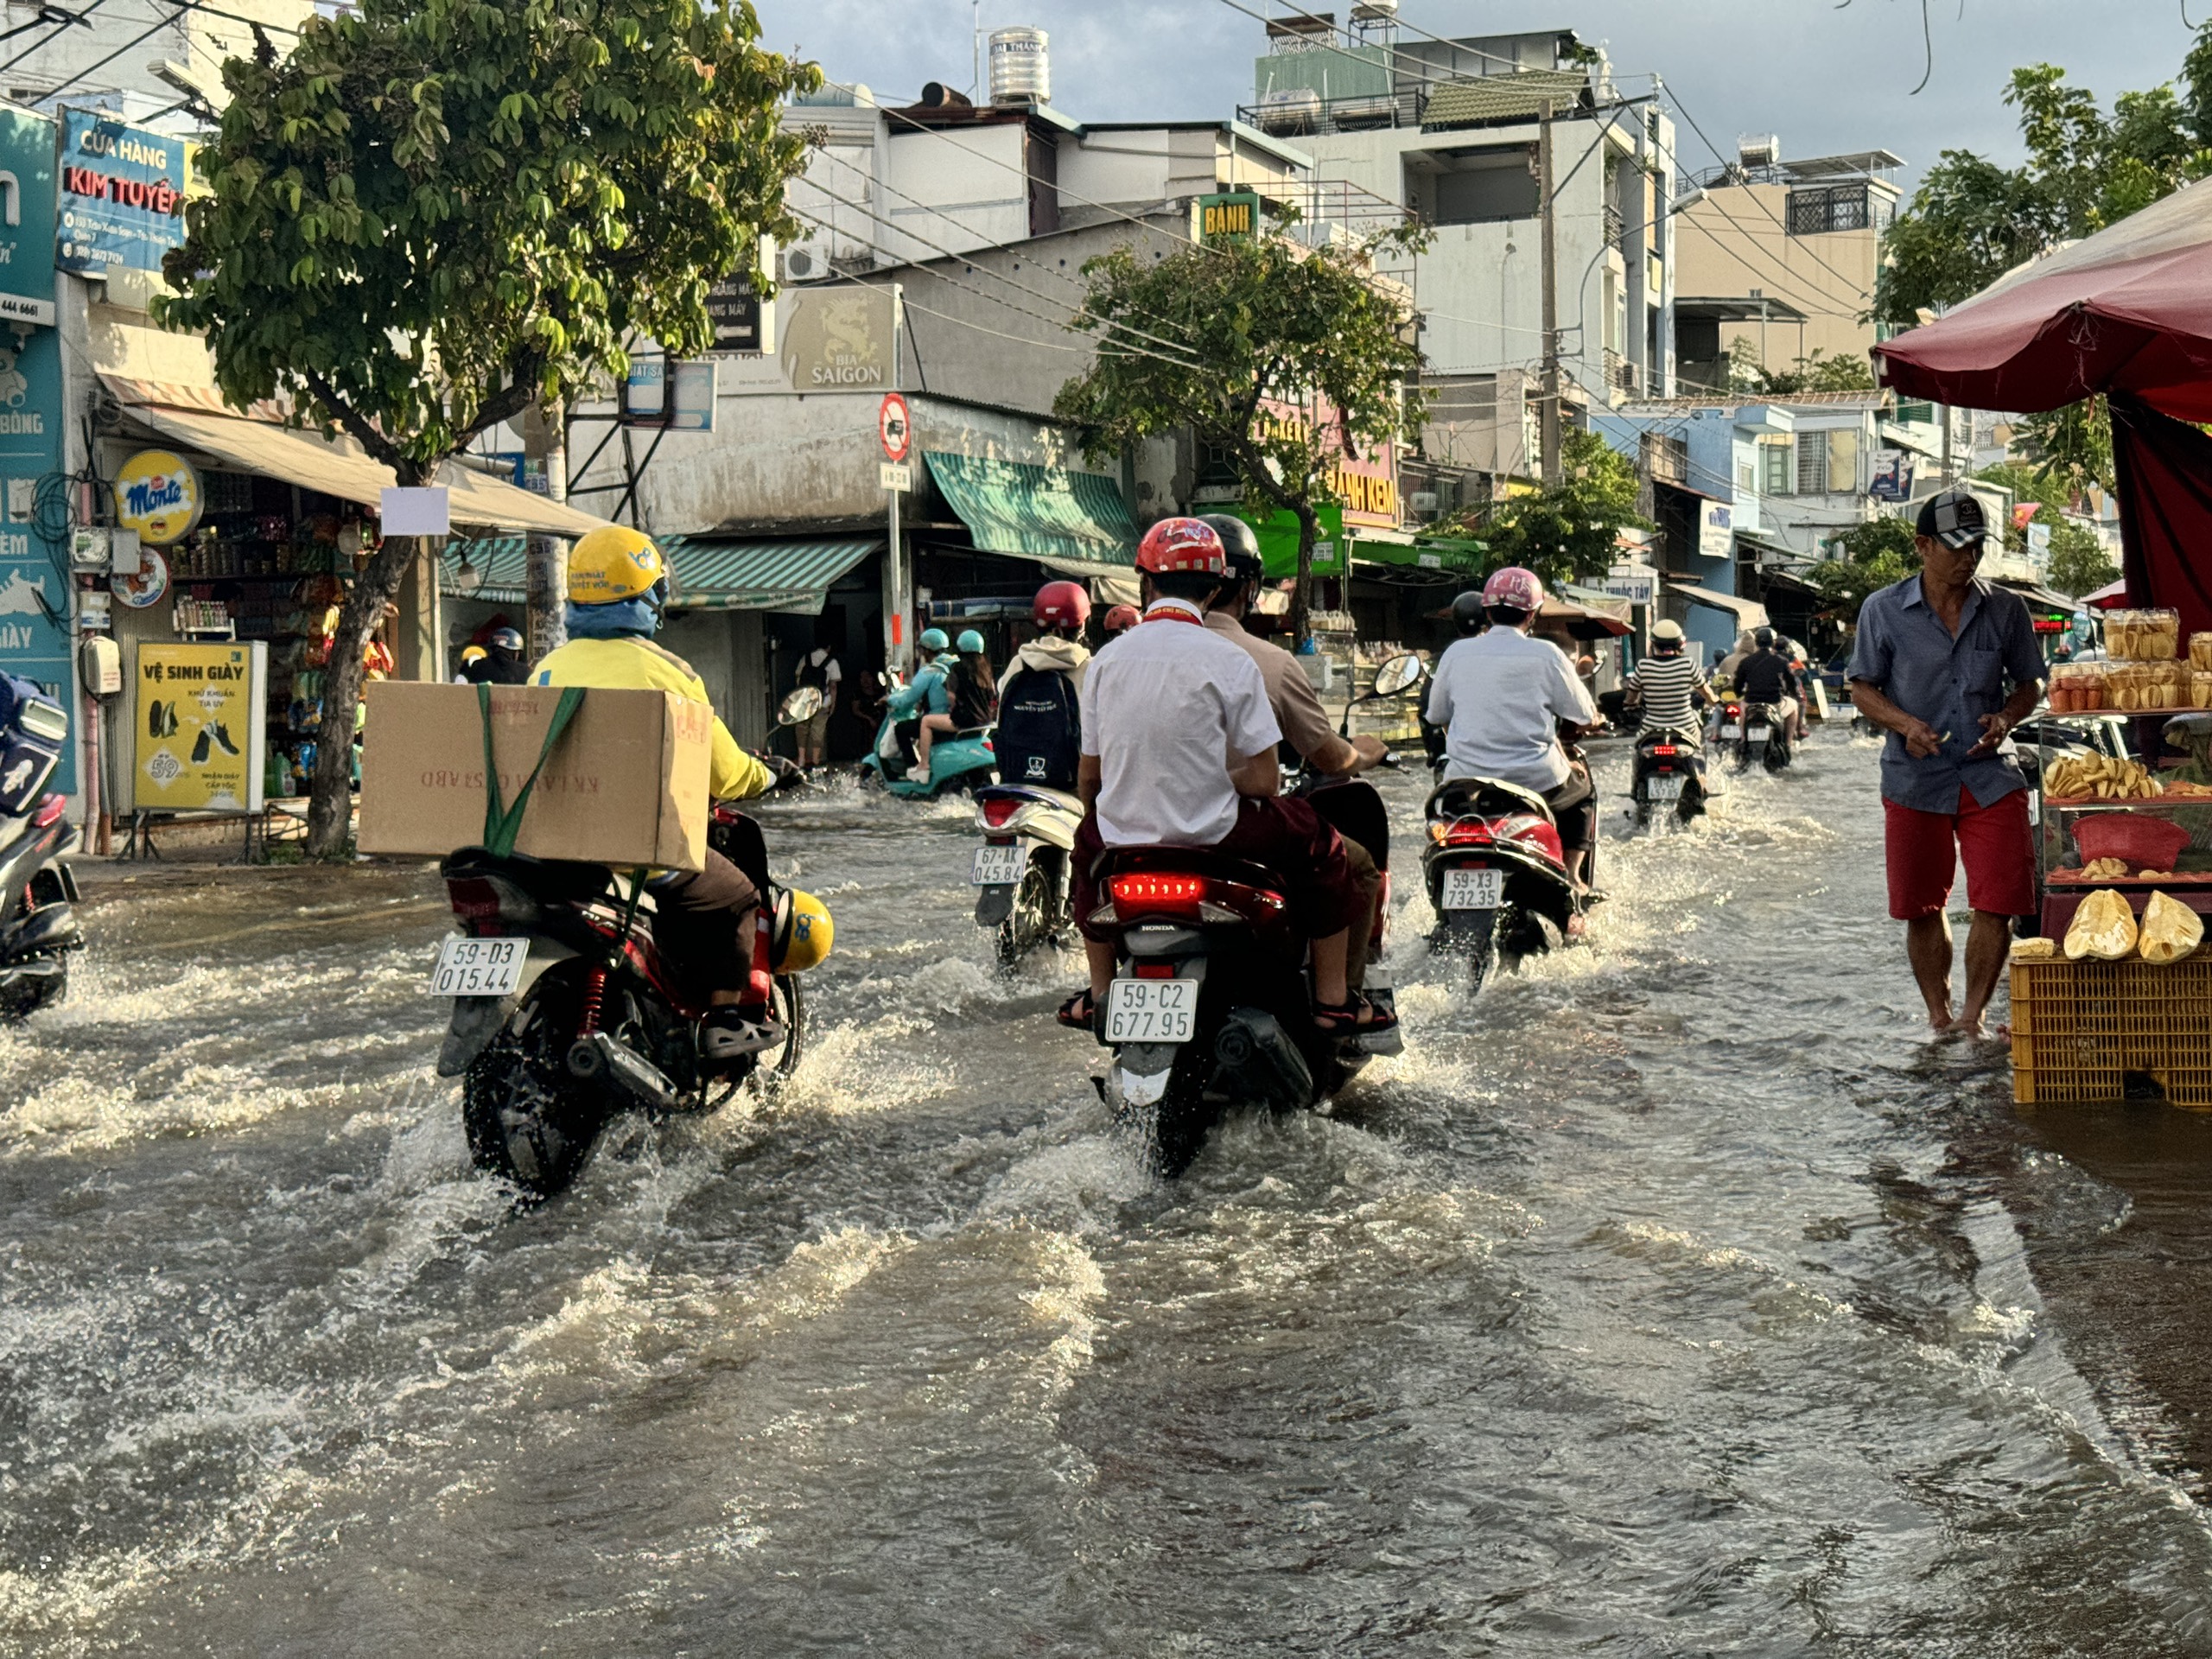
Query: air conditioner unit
[[803, 261]]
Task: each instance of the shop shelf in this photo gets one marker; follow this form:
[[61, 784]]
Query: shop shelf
[[2084, 1031]]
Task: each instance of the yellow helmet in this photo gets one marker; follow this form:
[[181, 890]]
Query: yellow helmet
[[803, 932], [473, 654], [612, 563]]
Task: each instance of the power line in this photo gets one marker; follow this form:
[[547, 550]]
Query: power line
[[40, 44]]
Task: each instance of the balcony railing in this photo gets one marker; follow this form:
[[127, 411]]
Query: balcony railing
[[1616, 230], [1621, 374], [1301, 116]]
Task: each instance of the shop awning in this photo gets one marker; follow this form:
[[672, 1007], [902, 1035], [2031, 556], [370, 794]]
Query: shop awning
[[709, 575], [1045, 513], [494, 569], [1441, 554], [2040, 598], [337, 467], [1748, 612], [2110, 597]]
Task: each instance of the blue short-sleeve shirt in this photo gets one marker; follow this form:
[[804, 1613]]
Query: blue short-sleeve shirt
[[1905, 652]]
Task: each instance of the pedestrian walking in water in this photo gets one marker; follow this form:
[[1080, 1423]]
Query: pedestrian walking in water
[[1930, 667]]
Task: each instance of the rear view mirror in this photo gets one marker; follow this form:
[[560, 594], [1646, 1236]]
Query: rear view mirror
[[1399, 676], [801, 706]]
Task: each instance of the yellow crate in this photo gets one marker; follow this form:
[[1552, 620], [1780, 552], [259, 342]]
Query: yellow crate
[[2079, 1029]]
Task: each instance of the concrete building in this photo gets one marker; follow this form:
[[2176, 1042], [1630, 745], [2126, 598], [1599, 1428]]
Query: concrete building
[[1776, 260], [162, 72]]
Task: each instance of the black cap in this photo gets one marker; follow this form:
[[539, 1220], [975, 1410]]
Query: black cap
[[1954, 518]]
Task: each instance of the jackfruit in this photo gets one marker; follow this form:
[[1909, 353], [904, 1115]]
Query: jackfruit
[[2170, 930], [2034, 949], [2104, 927]]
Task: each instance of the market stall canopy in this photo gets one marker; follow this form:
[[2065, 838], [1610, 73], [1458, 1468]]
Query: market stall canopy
[[2110, 597], [1442, 556], [338, 466], [2128, 310], [1075, 523], [1586, 615], [1748, 612], [707, 575]]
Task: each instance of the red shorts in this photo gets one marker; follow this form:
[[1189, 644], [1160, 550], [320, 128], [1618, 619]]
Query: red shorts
[[1925, 850]]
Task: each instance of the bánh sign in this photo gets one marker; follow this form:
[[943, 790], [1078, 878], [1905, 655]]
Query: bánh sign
[[157, 494], [1233, 216]]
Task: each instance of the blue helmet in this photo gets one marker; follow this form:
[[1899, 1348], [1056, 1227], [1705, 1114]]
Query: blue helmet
[[934, 640], [971, 643]]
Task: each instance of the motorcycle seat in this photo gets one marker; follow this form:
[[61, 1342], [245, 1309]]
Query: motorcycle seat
[[1066, 800], [554, 878], [1192, 861], [1460, 797]]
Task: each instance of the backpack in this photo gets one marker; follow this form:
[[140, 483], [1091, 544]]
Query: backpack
[[1040, 730], [815, 674], [972, 706]]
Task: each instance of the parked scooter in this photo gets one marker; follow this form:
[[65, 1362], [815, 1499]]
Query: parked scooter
[[1668, 778], [565, 1016], [1021, 873], [1211, 1003], [958, 760], [38, 893], [1497, 871], [797, 709]]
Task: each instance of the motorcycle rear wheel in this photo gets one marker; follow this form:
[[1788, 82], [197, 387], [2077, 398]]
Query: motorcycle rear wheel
[[19, 1004], [1035, 915], [528, 1120]]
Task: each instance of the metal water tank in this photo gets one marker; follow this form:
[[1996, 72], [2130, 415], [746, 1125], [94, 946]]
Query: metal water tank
[[1022, 66]]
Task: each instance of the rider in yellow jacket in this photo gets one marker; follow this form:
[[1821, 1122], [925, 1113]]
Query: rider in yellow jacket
[[618, 590]]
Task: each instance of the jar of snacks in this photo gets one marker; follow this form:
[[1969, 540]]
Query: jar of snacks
[[2061, 694], [2200, 688], [2144, 636], [2200, 650], [2163, 686]]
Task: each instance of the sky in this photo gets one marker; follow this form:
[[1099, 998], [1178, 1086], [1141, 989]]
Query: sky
[[1825, 78]]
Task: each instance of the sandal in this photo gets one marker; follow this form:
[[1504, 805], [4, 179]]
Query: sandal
[[1355, 1018], [1079, 1012]]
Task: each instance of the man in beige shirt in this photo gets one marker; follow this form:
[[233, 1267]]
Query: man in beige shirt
[[1305, 727]]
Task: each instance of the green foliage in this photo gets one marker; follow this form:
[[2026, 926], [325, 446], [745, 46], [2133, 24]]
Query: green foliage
[[1863, 559], [1258, 327], [1571, 533], [2070, 447], [2078, 563], [1844, 371]]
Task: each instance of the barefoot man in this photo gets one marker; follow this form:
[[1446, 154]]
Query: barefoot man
[[1931, 666]]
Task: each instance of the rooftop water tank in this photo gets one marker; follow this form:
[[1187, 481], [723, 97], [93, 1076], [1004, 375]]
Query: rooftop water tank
[[1022, 66]]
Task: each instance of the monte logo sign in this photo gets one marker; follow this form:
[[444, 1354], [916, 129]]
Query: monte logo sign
[[157, 494]]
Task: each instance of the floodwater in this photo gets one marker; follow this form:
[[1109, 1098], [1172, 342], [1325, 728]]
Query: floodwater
[[1674, 1297]]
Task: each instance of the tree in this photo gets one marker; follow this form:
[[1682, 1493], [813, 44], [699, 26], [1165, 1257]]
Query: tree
[[1863, 559], [1286, 360], [1972, 220], [434, 214], [1571, 532], [2077, 562], [1818, 372]]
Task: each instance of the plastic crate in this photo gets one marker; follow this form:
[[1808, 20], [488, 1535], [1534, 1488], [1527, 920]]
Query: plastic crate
[[2098, 1031]]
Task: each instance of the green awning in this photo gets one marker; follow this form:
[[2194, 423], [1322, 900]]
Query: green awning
[[1278, 537], [731, 575], [502, 563], [1045, 514], [1491, 100], [1443, 554]]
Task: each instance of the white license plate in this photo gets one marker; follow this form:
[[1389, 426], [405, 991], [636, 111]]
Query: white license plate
[[1731, 733], [1151, 1010], [1663, 786], [998, 866], [478, 967], [1473, 889], [1759, 734]]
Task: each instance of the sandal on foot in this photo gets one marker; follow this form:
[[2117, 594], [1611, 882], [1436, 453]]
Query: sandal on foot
[[1079, 1012], [1355, 1018]]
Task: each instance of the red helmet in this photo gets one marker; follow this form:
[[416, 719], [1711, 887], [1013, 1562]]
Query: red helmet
[[1182, 544], [1122, 617], [1061, 605]]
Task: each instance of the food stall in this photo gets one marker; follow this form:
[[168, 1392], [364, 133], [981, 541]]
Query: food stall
[[2123, 1007]]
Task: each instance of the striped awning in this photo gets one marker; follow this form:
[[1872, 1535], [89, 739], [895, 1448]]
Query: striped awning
[[709, 575], [1045, 514], [500, 565]]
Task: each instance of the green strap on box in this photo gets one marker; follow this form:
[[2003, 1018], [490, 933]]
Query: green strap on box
[[503, 823]]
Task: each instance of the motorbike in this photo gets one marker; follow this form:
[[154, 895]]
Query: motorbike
[[39, 928], [1495, 872], [1668, 777], [1754, 730], [1021, 873], [1211, 1002], [958, 760], [565, 1015]]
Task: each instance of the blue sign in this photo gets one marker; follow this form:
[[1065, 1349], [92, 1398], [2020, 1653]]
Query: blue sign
[[122, 194], [34, 579]]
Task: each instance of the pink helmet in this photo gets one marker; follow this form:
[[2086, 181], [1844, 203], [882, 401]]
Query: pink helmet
[[1514, 589]]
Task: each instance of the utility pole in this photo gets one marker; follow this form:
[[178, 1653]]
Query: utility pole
[[1547, 415], [544, 438]]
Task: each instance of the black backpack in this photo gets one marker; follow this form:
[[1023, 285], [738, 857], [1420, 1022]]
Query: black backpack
[[815, 674], [1040, 729]]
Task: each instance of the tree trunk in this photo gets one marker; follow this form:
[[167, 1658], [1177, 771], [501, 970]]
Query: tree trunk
[[330, 804], [1301, 598]]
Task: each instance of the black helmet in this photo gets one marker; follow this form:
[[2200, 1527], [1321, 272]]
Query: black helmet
[[1467, 613], [1764, 639], [1239, 545]]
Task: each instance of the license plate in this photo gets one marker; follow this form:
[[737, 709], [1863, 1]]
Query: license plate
[[1759, 734], [998, 866], [1731, 732], [1473, 889], [1151, 1010], [1663, 786], [478, 967]]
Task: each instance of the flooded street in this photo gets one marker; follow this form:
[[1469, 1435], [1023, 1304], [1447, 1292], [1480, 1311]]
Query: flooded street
[[1676, 1297]]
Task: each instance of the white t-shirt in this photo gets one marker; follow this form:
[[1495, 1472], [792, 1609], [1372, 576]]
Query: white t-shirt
[[1500, 697], [1167, 709], [820, 657]]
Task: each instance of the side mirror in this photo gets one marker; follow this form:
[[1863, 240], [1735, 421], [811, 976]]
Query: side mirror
[[801, 706], [1399, 675]]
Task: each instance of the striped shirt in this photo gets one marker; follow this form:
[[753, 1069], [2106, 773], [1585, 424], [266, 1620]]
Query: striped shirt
[[1665, 685]]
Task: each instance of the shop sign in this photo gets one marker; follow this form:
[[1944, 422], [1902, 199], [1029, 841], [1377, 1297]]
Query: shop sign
[[1278, 538], [1716, 533], [1366, 487], [1233, 216], [200, 727], [841, 339], [735, 312], [122, 194], [158, 494], [1892, 475], [143, 589]]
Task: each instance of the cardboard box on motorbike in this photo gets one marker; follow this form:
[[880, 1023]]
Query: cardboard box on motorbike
[[625, 784]]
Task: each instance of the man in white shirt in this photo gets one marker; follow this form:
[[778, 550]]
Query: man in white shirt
[[1179, 749], [1500, 698]]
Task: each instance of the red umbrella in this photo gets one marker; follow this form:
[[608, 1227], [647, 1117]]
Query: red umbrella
[[2127, 310], [2110, 597]]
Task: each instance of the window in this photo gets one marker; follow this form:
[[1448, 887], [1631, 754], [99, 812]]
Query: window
[[1774, 476], [1843, 460], [1836, 207], [1473, 186], [1812, 463]]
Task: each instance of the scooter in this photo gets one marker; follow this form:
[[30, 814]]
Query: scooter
[[565, 1016], [958, 760], [1668, 777], [1211, 1002], [1752, 731], [1497, 871], [39, 927], [1021, 873]]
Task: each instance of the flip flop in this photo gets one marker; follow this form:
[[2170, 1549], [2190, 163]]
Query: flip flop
[[1351, 1019], [1079, 1012]]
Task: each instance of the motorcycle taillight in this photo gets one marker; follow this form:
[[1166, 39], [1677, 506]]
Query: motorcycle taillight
[[1170, 893], [999, 813], [1665, 748], [49, 810], [474, 899], [1158, 891], [1469, 832]]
